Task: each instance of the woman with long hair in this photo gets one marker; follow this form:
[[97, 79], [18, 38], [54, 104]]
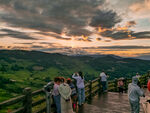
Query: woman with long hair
[[80, 87]]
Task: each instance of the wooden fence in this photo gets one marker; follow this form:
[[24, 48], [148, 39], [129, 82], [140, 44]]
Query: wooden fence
[[35, 102]]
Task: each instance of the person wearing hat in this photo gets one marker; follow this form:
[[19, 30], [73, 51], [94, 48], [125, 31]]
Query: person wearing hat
[[65, 92], [134, 94]]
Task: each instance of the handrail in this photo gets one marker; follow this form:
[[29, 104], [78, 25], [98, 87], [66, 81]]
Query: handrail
[[95, 80], [19, 110], [37, 92], [38, 102], [12, 101]]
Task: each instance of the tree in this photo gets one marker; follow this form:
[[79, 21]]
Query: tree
[[3, 68]]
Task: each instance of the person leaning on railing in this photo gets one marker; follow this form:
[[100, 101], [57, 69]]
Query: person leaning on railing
[[104, 77]]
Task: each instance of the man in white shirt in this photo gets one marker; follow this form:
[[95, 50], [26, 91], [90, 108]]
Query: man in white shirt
[[103, 81]]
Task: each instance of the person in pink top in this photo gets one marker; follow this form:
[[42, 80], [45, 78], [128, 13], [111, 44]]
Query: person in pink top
[[56, 94]]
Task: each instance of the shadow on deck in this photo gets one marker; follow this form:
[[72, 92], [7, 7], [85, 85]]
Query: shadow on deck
[[108, 103]]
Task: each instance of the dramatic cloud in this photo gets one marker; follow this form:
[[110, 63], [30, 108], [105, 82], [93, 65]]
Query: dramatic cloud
[[105, 19], [50, 15], [54, 35], [24, 43], [84, 38], [15, 34], [131, 23], [125, 34], [67, 26], [79, 32], [98, 39]]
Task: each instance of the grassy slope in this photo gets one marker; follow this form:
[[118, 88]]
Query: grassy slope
[[13, 81]]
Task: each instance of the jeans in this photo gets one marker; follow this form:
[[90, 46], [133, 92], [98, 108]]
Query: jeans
[[135, 107], [57, 102], [81, 95], [104, 85]]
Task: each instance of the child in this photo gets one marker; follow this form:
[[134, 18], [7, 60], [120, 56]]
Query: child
[[120, 85], [73, 94], [56, 94]]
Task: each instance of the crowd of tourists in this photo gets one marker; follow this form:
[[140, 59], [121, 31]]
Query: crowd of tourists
[[69, 94]]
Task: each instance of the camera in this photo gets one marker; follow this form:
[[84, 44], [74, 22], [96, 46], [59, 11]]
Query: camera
[[48, 87]]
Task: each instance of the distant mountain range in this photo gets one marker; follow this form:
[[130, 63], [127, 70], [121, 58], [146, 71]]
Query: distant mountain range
[[144, 57], [115, 65], [100, 56]]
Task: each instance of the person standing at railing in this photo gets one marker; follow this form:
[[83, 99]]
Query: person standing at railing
[[56, 94], [134, 94], [65, 92], [80, 87], [73, 93], [120, 85], [104, 77]]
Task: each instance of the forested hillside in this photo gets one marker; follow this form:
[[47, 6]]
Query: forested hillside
[[20, 69]]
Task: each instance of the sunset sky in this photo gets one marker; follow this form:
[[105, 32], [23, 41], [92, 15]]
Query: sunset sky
[[119, 27]]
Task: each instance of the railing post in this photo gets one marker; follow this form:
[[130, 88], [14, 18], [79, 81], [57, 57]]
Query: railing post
[[90, 89], [48, 102], [115, 85], [99, 83], [28, 100]]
